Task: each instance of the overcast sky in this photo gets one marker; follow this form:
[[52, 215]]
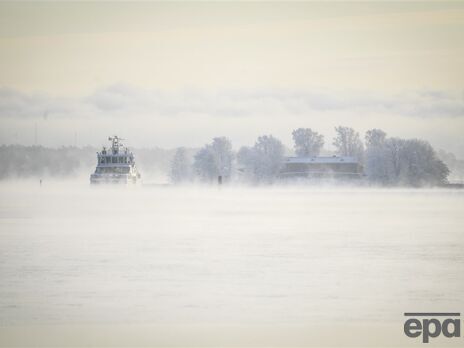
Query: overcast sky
[[172, 74]]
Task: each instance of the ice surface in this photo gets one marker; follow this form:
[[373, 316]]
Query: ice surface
[[71, 253]]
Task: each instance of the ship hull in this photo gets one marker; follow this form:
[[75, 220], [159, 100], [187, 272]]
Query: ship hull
[[111, 179]]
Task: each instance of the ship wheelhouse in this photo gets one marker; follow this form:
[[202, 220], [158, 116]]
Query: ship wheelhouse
[[116, 164]]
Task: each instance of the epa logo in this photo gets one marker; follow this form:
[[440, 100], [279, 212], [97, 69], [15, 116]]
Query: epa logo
[[431, 325]]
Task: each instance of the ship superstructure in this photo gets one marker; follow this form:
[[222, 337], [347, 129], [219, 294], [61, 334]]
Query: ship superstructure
[[115, 165]]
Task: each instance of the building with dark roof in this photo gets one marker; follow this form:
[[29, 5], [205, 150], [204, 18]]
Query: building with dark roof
[[322, 167]]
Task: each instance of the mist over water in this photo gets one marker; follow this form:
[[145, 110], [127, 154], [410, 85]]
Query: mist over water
[[71, 253]]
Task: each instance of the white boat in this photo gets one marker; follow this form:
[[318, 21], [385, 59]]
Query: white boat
[[115, 165]]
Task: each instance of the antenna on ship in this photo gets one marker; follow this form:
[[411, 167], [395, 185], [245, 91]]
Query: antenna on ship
[[116, 143]]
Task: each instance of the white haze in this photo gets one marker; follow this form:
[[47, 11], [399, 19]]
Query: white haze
[[193, 116], [282, 257]]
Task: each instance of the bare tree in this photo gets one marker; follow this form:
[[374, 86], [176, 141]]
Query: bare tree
[[348, 143], [263, 161], [376, 166], [375, 137], [180, 166], [214, 159], [307, 142], [409, 162]]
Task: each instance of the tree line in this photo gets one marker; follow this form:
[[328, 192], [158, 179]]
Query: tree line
[[386, 160]]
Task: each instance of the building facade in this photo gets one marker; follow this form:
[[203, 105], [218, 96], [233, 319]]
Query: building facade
[[322, 167]]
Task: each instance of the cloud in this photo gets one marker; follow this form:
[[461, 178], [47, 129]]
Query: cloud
[[123, 100], [191, 117]]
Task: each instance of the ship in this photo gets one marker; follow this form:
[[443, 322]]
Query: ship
[[115, 165]]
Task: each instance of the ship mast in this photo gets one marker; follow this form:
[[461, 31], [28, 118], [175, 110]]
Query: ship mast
[[116, 143]]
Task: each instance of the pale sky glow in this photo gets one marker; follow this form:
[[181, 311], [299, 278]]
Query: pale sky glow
[[171, 74]]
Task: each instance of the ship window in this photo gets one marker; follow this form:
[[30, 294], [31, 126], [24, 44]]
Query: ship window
[[114, 160], [108, 159], [102, 159], [121, 159]]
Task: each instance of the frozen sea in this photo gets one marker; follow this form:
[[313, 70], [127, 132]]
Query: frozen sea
[[275, 257]]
